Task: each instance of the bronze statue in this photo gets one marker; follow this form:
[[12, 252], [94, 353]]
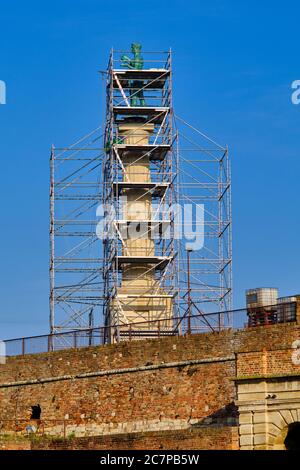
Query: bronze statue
[[135, 86], [137, 62]]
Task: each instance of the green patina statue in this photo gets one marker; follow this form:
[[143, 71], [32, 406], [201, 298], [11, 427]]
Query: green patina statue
[[137, 63]]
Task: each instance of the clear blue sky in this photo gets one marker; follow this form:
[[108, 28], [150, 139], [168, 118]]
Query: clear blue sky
[[234, 62]]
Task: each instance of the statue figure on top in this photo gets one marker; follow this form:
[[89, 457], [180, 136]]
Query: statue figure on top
[[136, 86], [137, 62]]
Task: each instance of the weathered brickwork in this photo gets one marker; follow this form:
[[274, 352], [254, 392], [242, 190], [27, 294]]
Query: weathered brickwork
[[268, 388], [145, 400], [267, 363], [167, 385], [209, 438]]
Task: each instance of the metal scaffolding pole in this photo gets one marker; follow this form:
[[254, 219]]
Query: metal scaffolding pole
[[52, 243], [75, 250], [205, 181]]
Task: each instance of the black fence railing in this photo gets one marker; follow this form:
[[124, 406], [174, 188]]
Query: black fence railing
[[192, 324]]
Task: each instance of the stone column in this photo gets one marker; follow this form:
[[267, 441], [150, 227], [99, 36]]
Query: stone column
[[139, 279]]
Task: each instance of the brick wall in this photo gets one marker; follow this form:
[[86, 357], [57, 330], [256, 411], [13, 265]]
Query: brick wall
[[151, 386], [267, 363], [162, 398], [267, 351], [216, 438]]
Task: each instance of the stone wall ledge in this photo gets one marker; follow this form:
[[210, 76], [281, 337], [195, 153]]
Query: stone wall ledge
[[247, 378]]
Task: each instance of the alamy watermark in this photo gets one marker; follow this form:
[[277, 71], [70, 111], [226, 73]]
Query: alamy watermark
[[296, 352], [2, 92], [296, 94], [177, 221]]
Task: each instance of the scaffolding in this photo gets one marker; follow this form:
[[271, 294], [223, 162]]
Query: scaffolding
[[162, 249], [76, 283], [205, 182], [139, 174]]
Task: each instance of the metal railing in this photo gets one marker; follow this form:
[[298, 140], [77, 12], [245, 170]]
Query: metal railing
[[178, 326]]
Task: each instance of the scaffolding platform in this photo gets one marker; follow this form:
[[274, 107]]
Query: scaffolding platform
[[156, 77], [156, 189], [159, 262], [146, 296], [153, 115], [151, 224], [154, 152]]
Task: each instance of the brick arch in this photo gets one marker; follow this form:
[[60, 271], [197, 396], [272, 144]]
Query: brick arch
[[285, 418]]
